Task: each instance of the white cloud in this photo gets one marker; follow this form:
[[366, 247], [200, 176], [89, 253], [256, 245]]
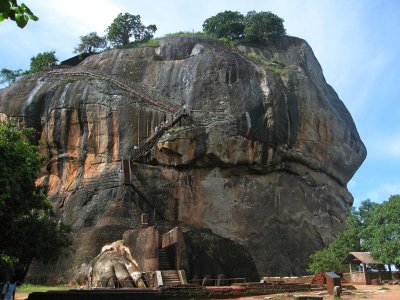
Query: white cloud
[[384, 145], [379, 194]]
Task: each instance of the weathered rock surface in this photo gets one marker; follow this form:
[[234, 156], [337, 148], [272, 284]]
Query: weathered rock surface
[[264, 160]]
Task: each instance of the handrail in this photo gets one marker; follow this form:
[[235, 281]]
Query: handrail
[[150, 142], [169, 106]]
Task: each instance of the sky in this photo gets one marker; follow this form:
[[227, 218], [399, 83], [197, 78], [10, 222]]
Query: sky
[[357, 43]]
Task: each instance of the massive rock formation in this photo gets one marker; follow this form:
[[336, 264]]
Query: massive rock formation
[[263, 160]]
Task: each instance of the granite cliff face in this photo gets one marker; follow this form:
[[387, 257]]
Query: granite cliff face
[[263, 159]]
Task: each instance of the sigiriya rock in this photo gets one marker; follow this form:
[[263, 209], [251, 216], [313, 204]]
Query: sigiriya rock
[[260, 161]]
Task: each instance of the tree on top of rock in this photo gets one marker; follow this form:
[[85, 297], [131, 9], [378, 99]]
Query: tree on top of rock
[[125, 27], [9, 76], [263, 26], [227, 24], [91, 43], [255, 27], [43, 61]]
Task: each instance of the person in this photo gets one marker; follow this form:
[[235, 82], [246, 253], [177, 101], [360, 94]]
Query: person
[[8, 291]]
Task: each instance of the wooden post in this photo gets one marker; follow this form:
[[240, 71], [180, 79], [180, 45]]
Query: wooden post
[[365, 276]]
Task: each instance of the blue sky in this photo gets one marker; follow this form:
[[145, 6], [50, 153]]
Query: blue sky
[[357, 43]]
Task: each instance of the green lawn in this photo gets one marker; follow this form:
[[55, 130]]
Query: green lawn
[[30, 288]]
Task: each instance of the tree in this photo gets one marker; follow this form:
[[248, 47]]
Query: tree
[[29, 230], [330, 258], [91, 43], [42, 61], [9, 76], [263, 26], [125, 26], [227, 24], [382, 231], [21, 14]]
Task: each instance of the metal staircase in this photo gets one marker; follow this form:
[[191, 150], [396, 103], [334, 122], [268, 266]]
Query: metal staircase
[[150, 142]]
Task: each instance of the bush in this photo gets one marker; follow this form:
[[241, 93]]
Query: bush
[[263, 26], [256, 27], [227, 24]]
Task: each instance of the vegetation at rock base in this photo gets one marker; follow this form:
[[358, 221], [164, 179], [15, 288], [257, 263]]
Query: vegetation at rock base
[[91, 43], [256, 27], [373, 227], [21, 14], [127, 26], [381, 231], [330, 258], [42, 61], [29, 230]]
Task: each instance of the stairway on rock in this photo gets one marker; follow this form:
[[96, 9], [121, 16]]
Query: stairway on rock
[[163, 261], [170, 277]]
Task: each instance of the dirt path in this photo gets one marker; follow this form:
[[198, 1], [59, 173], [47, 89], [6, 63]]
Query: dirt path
[[386, 292], [21, 296]]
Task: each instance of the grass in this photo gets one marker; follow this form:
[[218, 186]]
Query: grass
[[30, 288], [188, 34], [273, 65], [154, 42]]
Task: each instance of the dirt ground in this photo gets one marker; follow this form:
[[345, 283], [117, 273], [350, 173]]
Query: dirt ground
[[370, 292]]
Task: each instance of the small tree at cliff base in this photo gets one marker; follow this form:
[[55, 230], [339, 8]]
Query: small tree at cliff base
[[127, 28], [373, 227], [381, 234], [28, 228], [330, 258]]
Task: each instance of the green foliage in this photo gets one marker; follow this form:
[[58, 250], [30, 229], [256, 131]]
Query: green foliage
[[126, 26], [255, 27], [187, 33], [28, 228], [9, 76], [381, 233], [330, 258], [273, 65], [227, 24], [91, 43], [263, 26], [21, 14], [43, 61], [32, 288], [7, 267], [373, 227], [142, 44]]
